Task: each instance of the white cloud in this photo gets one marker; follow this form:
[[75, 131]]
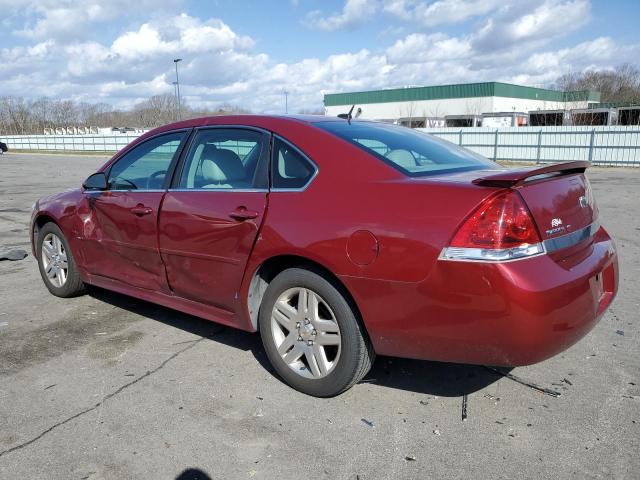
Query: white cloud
[[601, 49], [71, 19], [214, 54], [179, 34], [221, 66], [600, 53], [400, 8], [526, 28], [60, 22], [420, 48], [354, 13], [441, 11], [146, 41]]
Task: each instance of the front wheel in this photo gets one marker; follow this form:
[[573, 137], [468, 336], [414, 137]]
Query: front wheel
[[311, 334], [56, 263]]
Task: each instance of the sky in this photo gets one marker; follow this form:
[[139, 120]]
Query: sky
[[247, 53]]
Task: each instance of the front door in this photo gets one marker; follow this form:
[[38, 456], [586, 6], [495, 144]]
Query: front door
[[122, 242], [210, 219]]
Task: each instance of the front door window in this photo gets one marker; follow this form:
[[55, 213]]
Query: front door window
[[146, 166]]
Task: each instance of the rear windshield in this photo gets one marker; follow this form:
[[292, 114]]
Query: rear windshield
[[413, 153]]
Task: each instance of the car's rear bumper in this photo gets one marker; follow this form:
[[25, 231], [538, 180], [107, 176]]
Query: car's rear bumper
[[512, 313]]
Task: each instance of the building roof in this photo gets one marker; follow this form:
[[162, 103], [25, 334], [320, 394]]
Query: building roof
[[464, 90]]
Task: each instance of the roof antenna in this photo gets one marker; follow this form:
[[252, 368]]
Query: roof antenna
[[347, 116]]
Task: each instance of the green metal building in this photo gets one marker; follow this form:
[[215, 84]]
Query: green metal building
[[469, 99]]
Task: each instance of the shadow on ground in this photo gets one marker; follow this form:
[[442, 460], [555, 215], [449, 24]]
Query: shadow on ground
[[432, 378], [193, 474]]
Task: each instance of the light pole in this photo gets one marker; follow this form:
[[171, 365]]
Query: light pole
[[175, 96], [286, 101], [176, 60]]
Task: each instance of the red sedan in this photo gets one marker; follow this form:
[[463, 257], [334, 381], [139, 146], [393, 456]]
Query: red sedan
[[338, 240]]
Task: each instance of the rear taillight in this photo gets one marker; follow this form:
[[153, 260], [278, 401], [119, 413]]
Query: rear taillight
[[500, 229]]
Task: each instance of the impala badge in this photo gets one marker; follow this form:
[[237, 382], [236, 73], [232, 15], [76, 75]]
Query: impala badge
[[583, 201], [556, 226]]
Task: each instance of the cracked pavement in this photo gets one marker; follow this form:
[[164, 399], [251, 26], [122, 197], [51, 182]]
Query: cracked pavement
[[109, 387]]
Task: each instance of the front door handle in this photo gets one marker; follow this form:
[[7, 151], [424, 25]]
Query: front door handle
[[241, 213], [141, 210]]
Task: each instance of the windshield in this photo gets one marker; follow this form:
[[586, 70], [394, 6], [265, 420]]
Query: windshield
[[413, 153]]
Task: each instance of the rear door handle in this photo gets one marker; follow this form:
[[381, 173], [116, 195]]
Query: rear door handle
[[241, 213], [141, 210]]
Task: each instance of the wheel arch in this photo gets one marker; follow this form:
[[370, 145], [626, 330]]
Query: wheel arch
[[38, 222], [271, 267], [42, 219]]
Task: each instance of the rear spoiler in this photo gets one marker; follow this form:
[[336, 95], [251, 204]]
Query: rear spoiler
[[517, 176]]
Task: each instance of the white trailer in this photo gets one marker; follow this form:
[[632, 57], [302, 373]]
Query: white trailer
[[505, 119]]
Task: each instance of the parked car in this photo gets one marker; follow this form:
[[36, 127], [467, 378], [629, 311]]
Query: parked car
[[338, 240]]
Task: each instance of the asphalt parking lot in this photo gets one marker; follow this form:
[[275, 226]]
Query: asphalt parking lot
[[109, 387]]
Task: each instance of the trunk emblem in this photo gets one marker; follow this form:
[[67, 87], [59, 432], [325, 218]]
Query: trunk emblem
[[556, 222], [556, 226], [583, 201]]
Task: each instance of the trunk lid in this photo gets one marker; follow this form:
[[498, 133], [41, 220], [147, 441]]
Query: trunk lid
[[558, 196], [560, 205]]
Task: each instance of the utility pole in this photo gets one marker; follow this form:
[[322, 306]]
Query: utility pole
[[176, 60], [286, 101], [175, 95]]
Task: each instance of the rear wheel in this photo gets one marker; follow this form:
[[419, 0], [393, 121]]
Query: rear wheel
[[311, 334], [57, 265]]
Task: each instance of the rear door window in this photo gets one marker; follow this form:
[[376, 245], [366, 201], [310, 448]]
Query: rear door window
[[225, 158]]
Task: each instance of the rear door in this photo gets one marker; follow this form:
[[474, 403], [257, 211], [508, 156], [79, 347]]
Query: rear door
[[211, 216], [121, 241]]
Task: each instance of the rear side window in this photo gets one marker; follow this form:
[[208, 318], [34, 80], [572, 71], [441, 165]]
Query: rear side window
[[290, 169], [413, 153]]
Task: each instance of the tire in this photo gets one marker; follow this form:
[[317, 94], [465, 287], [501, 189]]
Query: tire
[[66, 283], [339, 354]]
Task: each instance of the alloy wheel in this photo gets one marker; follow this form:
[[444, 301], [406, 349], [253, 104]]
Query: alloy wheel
[[54, 260], [306, 333]]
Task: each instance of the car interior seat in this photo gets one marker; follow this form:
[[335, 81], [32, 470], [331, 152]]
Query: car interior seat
[[222, 168]]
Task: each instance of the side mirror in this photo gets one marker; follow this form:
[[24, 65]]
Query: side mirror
[[97, 181]]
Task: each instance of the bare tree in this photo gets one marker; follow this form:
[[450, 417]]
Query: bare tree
[[619, 85], [41, 114], [16, 114], [157, 110], [64, 113], [19, 116], [407, 112]]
